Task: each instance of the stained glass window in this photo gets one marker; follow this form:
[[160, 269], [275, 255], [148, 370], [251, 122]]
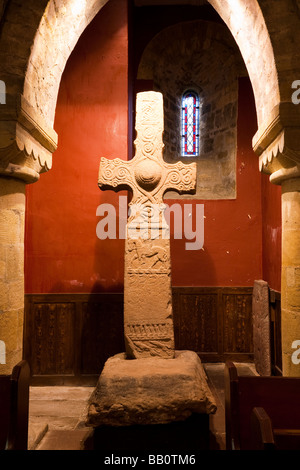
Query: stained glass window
[[190, 124]]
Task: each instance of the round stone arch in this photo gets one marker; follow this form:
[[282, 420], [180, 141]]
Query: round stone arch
[[248, 27], [61, 26], [46, 34]]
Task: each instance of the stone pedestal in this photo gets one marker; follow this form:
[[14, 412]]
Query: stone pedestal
[[261, 328], [177, 438], [150, 391]]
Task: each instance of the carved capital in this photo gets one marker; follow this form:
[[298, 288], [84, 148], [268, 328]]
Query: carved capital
[[277, 143], [26, 142]]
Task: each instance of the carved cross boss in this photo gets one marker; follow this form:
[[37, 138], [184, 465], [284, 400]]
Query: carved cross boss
[[148, 322]]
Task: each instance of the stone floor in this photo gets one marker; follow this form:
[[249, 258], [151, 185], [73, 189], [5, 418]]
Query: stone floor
[[57, 414], [56, 417]]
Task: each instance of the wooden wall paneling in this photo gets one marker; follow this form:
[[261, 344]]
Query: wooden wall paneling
[[50, 336], [195, 320], [77, 336], [27, 329], [237, 321], [102, 331], [220, 320], [68, 337], [214, 322]]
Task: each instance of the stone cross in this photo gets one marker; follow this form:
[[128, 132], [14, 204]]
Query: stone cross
[[148, 320]]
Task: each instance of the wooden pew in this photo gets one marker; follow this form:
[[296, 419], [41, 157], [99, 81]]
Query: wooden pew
[[266, 437], [261, 430], [14, 408], [278, 396]]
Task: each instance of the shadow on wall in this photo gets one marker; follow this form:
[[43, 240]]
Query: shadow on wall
[[102, 332], [199, 263]]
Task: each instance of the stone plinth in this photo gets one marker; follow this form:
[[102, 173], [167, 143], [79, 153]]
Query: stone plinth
[[150, 391], [261, 328]]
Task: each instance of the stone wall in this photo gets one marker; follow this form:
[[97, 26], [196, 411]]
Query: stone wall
[[201, 56]]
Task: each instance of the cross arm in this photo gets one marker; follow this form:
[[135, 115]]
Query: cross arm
[[115, 174], [181, 177]]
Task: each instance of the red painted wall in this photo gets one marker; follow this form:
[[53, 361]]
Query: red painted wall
[[271, 236], [232, 254], [63, 253]]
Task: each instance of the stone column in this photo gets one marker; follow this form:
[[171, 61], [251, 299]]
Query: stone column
[[12, 215], [277, 143], [27, 143], [289, 179], [290, 277]]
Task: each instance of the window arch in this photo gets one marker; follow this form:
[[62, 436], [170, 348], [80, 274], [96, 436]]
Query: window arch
[[190, 124]]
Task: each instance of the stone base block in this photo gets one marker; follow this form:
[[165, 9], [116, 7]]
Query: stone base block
[[261, 327], [150, 391], [179, 437]]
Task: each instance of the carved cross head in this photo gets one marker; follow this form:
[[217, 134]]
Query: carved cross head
[[147, 175]]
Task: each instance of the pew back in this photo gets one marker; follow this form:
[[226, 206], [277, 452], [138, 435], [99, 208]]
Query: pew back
[[5, 390], [279, 396], [266, 437], [14, 408]]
